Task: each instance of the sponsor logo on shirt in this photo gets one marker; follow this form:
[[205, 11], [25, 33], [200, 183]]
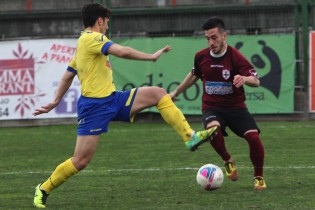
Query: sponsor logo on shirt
[[218, 88]]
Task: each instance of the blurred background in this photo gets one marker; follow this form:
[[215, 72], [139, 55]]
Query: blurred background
[[152, 18], [55, 19]]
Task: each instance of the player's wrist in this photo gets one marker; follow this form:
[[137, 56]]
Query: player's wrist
[[245, 80]]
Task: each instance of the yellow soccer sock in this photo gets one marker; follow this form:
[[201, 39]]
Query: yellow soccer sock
[[59, 176], [174, 117]]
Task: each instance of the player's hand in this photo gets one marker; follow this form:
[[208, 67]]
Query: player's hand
[[158, 53], [44, 109], [239, 80], [166, 48]]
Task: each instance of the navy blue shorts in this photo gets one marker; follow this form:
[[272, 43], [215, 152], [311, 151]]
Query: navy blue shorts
[[238, 120], [95, 114]]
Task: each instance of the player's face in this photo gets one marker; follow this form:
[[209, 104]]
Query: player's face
[[103, 24], [216, 40]]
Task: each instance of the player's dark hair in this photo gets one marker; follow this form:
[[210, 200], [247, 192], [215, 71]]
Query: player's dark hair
[[91, 12], [213, 22]]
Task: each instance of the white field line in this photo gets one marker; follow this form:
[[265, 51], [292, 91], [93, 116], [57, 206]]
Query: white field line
[[149, 169], [122, 130]]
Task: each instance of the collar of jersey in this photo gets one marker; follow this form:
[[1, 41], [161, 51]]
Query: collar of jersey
[[88, 32], [218, 55]]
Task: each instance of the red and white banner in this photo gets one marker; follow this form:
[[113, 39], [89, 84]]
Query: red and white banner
[[312, 71], [29, 75]]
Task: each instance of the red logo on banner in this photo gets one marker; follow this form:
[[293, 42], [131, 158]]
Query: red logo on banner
[[17, 78], [17, 75]]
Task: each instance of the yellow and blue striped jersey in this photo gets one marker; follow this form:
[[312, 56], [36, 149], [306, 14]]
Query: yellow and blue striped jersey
[[91, 64]]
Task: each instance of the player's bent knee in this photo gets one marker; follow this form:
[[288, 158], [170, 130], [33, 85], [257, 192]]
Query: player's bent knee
[[80, 164], [158, 93]]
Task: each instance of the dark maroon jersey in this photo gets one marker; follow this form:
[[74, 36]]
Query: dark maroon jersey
[[217, 76]]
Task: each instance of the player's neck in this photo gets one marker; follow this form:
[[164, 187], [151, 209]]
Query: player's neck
[[92, 29], [219, 54]]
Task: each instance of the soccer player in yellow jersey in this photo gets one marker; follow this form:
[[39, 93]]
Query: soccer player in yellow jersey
[[100, 103]]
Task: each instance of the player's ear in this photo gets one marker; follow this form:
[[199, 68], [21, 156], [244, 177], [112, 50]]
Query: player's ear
[[100, 21], [224, 35]]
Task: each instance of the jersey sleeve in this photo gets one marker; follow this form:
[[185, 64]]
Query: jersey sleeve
[[196, 71], [244, 67], [99, 44], [72, 66]]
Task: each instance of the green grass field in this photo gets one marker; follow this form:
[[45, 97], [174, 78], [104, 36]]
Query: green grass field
[[146, 166]]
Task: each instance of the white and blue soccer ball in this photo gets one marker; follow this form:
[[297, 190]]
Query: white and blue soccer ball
[[210, 177]]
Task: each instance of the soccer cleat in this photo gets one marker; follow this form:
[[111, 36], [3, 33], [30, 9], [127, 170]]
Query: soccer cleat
[[40, 198], [201, 137], [260, 183], [230, 170]]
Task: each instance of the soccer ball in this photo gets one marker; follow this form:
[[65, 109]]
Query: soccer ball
[[210, 177]]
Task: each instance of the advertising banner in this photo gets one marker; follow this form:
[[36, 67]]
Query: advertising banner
[[273, 57], [30, 72], [29, 75]]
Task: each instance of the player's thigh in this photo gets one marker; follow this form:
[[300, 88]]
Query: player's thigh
[[240, 121], [211, 118], [147, 97]]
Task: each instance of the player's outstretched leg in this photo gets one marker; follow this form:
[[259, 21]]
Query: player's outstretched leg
[[201, 137], [260, 183], [40, 198], [174, 117], [230, 170]]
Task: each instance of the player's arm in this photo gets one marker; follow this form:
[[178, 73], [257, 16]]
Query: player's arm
[[130, 53], [247, 74], [251, 81], [189, 80], [64, 84]]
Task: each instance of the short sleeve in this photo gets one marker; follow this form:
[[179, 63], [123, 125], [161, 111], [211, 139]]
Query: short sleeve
[[99, 44], [196, 71], [244, 67], [72, 66]]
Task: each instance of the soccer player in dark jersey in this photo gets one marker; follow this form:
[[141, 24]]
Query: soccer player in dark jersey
[[224, 71], [100, 102]]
